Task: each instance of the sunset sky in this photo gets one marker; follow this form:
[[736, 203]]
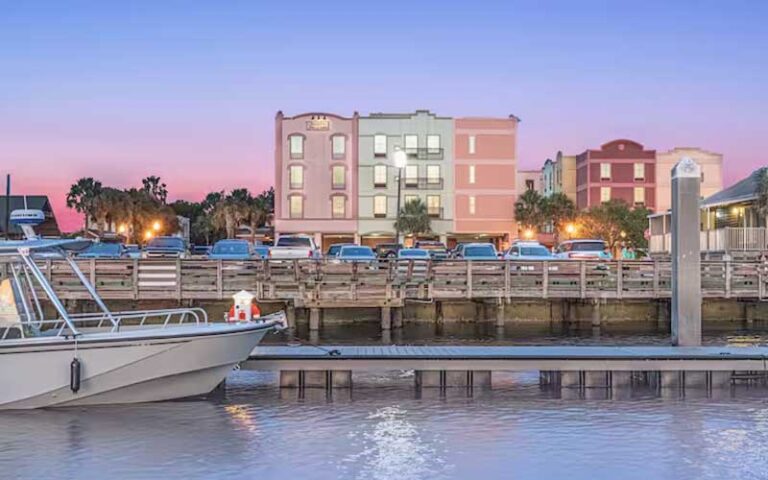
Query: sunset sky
[[188, 90]]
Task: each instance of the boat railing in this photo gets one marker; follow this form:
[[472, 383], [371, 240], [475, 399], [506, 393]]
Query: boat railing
[[101, 321]]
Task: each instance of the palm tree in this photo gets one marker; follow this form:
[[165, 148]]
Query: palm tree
[[109, 207], [558, 209], [230, 211], [156, 188], [82, 197], [529, 210], [413, 218], [258, 213]]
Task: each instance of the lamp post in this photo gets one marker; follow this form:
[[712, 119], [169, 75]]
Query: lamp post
[[400, 160]]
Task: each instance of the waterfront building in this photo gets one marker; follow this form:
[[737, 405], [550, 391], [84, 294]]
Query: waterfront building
[[316, 176], [564, 175], [711, 173], [528, 180], [427, 139], [485, 178], [619, 170]]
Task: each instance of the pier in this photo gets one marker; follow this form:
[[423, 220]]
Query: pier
[[664, 367]]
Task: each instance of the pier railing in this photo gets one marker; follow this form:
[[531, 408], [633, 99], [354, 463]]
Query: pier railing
[[390, 282]]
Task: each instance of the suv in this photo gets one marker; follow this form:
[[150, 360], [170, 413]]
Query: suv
[[290, 247], [583, 250], [388, 250], [166, 247], [436, 249]]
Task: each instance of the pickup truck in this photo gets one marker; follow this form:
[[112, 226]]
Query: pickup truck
[[289, 247]]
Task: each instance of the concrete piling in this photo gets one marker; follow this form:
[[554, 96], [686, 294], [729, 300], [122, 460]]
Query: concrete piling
[[315, 316], [397, 317], [386, 318]]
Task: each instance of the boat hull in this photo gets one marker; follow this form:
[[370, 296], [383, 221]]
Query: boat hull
[[130, 367]]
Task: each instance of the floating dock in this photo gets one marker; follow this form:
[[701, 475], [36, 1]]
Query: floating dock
[[331, 366]]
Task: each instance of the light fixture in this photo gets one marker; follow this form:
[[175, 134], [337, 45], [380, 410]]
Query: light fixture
[[399, 158]]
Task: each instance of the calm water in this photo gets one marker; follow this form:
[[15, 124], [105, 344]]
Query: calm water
[[385, 429]]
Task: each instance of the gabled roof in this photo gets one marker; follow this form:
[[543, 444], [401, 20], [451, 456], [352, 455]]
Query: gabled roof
[[744, 190]]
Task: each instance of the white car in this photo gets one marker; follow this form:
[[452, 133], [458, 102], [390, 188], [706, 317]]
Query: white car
[[290, 247]]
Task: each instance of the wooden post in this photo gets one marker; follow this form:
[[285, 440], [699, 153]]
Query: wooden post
[[507, 280], [386, 318], [656, 292], [314, 319], [92, 272], [583, 278], [469, 278], [545, 279], [619, 279], [178, 279], [135, 278], [219, 280], [728, 273]]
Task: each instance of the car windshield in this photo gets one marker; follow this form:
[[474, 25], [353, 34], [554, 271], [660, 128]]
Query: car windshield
[[230, 248], [104, 249], [534, 251], [480, 251], [167, 243], [414, 254], [334, 249], [356, 252], [588, 246], [294, 242]]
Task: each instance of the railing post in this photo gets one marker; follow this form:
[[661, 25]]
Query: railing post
[[583, 278], [656, 293], [135, 278], [469, 278], [545, 279], [507, 280], [619, 278], [178, 279], [728, 274], [92, 272], [219, 279]]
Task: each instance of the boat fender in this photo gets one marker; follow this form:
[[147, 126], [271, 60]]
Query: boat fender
[[74, 375]]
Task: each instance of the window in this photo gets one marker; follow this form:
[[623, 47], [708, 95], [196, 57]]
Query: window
[[380, 206], [410, 198], [530, 185], [380, 145], [411, 143], [605, 194], [433, 143], [296, 176], [639, 195], [338, 174], [472, 144], [296, 143], [433, 205], [411, 175], [338, 206], [605, 171], [472, 205], [339, 144], [472, 178], [639, 171], [296, 203], [380, 176], [433, 174]]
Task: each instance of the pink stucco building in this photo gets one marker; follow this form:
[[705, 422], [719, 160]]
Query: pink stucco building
[[619, 170], [485, 164], [316, 176]]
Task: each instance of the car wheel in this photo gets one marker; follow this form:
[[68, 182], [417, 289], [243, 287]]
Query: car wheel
[[391, 255]]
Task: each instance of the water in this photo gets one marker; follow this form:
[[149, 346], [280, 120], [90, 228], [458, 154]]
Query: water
[[385, 429]]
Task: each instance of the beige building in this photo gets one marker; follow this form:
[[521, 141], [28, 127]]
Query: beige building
[[564, 173], [528, 180], [711, 173]]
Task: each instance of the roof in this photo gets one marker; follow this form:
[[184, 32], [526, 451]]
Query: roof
[[744, 190], [35, 202]]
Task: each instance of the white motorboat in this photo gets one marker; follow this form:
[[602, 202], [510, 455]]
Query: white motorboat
[[105, 357]]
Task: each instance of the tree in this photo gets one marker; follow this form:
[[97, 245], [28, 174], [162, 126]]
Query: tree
[[558, 209], [413, 218], [608, 220], [155, 188], [230, 211], [82, 197], [529, 210]]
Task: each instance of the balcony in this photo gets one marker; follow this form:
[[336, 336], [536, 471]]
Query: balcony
[[425, 153], [422, 183], [729, 239]]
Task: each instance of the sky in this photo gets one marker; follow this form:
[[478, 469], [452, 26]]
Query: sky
[[188, 90]]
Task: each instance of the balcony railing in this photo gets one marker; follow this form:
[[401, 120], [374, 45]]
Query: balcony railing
[[729, 239], [425, 153], [423, 183]]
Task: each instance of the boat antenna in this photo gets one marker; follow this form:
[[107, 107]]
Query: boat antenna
[[7, 213]]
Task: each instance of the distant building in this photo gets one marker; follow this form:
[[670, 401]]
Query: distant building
[[548, 178], [485, 178], [711, 173], [49, 228], [427, 139], [619, 170], [564, 175], [316, 176], [528, 180]]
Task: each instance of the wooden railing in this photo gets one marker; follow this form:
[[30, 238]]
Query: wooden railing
[[322, 282], [729, 239]]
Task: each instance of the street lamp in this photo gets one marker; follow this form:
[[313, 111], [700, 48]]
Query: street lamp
[[400, 160], [156, 225], [570, 229]]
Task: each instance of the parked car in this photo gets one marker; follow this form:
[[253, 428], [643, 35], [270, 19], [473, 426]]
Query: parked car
[[456, 251], [479, 251], [166, 247], [584, 249], [262, 251], [437, 250], [289, 247], [200, 250], [417, 257], [104, 250], [388, 250], [528, 251], [333, 250], [356, 253], [231, 250]]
